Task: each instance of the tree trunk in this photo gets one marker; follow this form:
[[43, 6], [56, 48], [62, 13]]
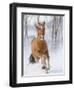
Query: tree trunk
[[26, 32], [38, 18]]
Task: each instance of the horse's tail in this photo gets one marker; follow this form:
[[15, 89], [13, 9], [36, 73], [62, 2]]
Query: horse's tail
[[32, 59]]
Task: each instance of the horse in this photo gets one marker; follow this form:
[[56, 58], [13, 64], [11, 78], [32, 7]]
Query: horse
[[39, 47]]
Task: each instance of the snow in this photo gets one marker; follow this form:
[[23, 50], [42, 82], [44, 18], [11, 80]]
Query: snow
[[56, 61]]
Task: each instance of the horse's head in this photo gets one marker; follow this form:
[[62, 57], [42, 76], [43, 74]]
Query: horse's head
[[40, 27]]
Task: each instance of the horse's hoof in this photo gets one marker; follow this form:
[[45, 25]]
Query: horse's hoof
[[43, 67], [32, 59], [48, 68], [46, 71]]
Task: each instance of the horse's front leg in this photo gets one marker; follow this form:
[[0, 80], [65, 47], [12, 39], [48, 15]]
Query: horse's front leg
[[43, 62]]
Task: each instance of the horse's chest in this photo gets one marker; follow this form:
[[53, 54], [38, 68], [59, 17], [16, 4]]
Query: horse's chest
[[41, 46]]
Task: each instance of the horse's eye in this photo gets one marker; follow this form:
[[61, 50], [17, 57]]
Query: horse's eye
[[45, 52], [38, 50]]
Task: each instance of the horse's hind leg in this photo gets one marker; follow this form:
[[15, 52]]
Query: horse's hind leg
[[47, 65], [32, 59], [48, 62]]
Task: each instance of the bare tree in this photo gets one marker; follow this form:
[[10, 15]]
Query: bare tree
[[27, 18], [25, 25], [53, 27], [56, 27], [38, 18], [61, 27]]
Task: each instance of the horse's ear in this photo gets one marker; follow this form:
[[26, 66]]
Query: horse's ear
[[36, 26], [39, 23], [44, 23]]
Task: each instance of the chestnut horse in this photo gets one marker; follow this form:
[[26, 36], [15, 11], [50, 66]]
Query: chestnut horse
[[39, 47]]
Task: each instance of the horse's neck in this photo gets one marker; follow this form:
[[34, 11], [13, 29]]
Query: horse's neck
[[38, 37]]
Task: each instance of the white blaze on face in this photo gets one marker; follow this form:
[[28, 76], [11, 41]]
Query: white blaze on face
[[41, 27], [41, 36]]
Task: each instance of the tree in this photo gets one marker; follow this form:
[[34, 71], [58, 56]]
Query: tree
[[56, 27], [38, 18], [27, 18], [25, 26]]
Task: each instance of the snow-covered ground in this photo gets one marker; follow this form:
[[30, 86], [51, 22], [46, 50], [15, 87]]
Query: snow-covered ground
[[56, 53]]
